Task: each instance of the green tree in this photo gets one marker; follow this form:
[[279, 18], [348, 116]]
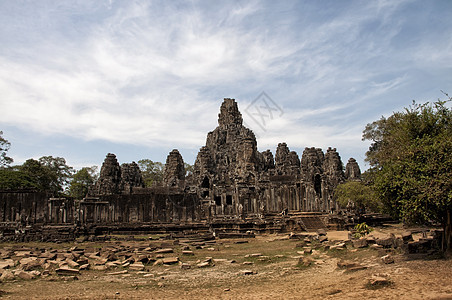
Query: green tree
[[40, 176], [81, 181], [188, 169], [358, 195], [4, 147], [151, 171], [411, 163], [13, 179], [48, 173], [60, 172]]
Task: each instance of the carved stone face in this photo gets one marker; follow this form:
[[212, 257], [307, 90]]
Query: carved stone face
[[246, 152]]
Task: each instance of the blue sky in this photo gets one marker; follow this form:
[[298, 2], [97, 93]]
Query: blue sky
[[79, 79]]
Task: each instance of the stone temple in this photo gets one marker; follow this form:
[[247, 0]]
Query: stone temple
[[232, 183]]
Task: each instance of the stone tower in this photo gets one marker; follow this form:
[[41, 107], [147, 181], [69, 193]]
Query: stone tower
[[174, 172], [231, 149], [130, 177], [352, 171], [286, 161], [110, 177]]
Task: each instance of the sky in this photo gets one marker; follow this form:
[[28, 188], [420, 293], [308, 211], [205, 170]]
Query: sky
[[80, 79]]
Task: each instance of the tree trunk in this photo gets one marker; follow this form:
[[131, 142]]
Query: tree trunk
[[447, 238]]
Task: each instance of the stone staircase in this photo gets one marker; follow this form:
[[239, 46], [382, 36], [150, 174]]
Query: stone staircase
[[312, 223]]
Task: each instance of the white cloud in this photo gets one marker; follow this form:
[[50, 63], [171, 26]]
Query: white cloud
[[154, 73]]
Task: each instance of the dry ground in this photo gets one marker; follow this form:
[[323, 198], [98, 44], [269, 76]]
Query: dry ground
[[276, 275]]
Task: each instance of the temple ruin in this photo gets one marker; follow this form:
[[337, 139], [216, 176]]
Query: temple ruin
[[232, 183]]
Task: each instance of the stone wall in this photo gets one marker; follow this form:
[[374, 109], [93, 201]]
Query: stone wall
[[160, 206], [25, 207]]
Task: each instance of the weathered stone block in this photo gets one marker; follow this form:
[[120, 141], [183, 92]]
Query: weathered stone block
[[360, 243], [67, 271]]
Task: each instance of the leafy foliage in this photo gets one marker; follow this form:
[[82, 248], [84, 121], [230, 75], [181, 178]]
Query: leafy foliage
[[4, 147], [81, 181], [358, 195], [151, 171], [59, 171], [411, 161], [362, 229], [46, 174], [188, 169], [13, 179]]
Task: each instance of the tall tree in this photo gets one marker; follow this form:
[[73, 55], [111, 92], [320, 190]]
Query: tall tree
[[411, 163], [81, 181], [358, 195], [188, 169], [48, 173], [151, 171], [60, 172], [4, 147], [13, 179], [40, 176]]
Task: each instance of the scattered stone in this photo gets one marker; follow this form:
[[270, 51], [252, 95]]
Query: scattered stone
[[386, 242], [350, 265], [376, 246], [203, 265], [100, 261], [321, 232], [370, 240], [23, 253], [360, 243], [112, 264], [323, 238], [339, 246], [407, 236], [72, 263], [305, 261], [25, 275], [67, 271], [248, 272], [158, 262], [170, 260], [7, 275], [334, 292], [357, 268], [6, 264], [68, 278], [138, 266], [118, 273], [188, 252], [165, 250], [388, 259], [248, 263], [379, 281]]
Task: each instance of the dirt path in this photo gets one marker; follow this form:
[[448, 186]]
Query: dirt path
[[275, 275]]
